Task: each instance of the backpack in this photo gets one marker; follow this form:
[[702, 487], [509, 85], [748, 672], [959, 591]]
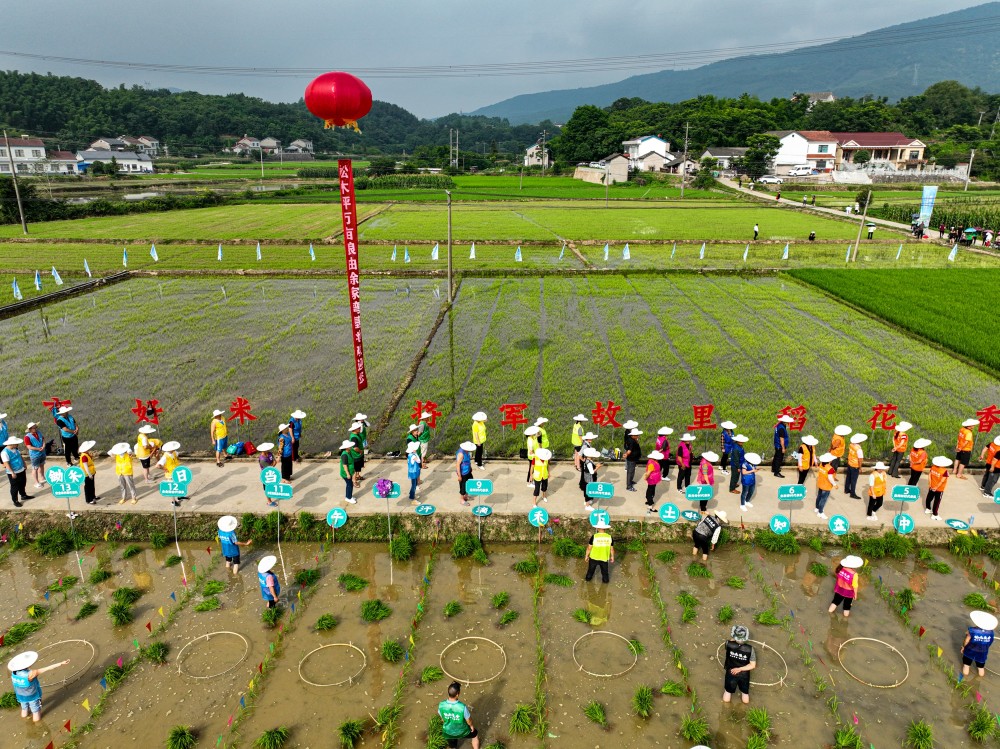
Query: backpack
[[249, 448], [233, 449]]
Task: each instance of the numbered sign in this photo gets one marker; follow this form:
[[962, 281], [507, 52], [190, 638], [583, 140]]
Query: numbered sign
[[791, 492], [479, 488], [692, 516], [65, 482], [996, 496], [278, 491], [669, 513], [181, 474], [780, 524], [336, 517], [482, 511], [839, 525], [599, 516], [903, 523], [699, 492], [600, 490], [173, 489], [538, 517], [394, 493], [905, 493], [270, 476], [423, 510], [65, 490], [956, 524]]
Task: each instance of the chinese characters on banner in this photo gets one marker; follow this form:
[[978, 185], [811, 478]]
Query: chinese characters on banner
[[350, 216], [148, 412], [702, 418], [55, 403], [883, 416], [604, 416], [429, 407], [513, 415], [796, 412], [988, 417], [240, 409]]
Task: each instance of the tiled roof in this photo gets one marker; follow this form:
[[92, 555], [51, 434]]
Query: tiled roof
[[26, 142], [875, 140]]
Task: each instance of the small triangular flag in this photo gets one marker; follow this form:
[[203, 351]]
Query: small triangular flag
[[218, 741], [153, 254], [174, 596], [86, 268], [855, 717], [953, 254], [848, 258], [135, 643], [517, 254], [293, 607], [605, 252], [229, 722], [626, 253], [220, 252], [784, 254], [104, 683], [258, 250], [940, 652], [411, 640], [67, 725], [50, 745], [979, 697], [673, 251], [921, 632], [472, 252], [272, 647], [91, 549], [434, 252], [86, 705], [406, 254], [562, 251], [46, 595], [106, 535], [119, 662], [125, 256], [701, 252], [260, 667], [746, 251], [899, 251], [31, 610], [299, 594], [312, 253], [160, 611], [149, 626], [243, 702]]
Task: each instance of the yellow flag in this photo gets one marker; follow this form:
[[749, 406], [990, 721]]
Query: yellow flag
[[251, 684], [411, 640], [106, 535], [300, 595], [996, 585], [940, 651], [86, 705], [31, 610], [160, 610]]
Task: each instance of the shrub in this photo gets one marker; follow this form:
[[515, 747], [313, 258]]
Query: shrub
[[401, 547], [561, 580], [374, 611], [86, 610], [158, 540], [431, 674], [726, 614], [465, 545], [209, 604], [522, 720], [307, 577], [392, 651], [98, 575], [508, 617], [307, 522], [53, 543], [270, 617], [120, 613], [130, 551], [666, 556], [63, 584], [642, 701], [156, 652], [273, 738], [326, 622], [127, 595], [211, 587], [181, 737], [172, 561], [697, 569], [352, 583], [594, 710], [672, 688], [350, 732], [500, 600], [452, 608], [568, 548], [818, 569]]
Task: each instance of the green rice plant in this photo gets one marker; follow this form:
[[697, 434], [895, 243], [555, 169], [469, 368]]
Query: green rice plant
[[768, 618], [481, 557], [181, 737], [435, 733], [736, 583], [919, 735], [495, 745], [873, 548], [352, 583], [527, 567], [976, 601], [464, 545], [780, 544], [273, 738], [634, 545], [126, 595], [898, 546], [172, 561], [508, 617], [568, 548], [37, 611], [906, 598], [666, 556], [642, 701], [374, 611], [522, 720], [401, 547], [452, 608], [63, 584], [212, 587], [53, 543], [209, 604], [307, 522], [594, 710], [562, 581], [431, 674], [8, 701], [672, 688], [114, 674], [966, 545], [981, 727], [155, 652], [326, 622], [819, 569], [120, 613], [270, 617], [98, 575], [816, 544], [86, 610], [130, 551], [636, 647], [687, 600], [695, 729], [350, 732], [924, 555], [697, 569], [307, 577], [500, 600], [756, 741], [392, 651], [759, 721], [942, 568], [846, 737], [726, 614], [583, 616], [689, 614], [158, 540]]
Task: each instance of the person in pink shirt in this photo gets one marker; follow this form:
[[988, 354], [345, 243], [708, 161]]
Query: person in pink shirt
[[663, 446], [654, 475], [684, 461], [706, 475], [845, 586]]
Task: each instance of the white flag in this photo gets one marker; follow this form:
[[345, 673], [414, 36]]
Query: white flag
[[562, 251], [899, 251], [517, 254], [86, 268], [673, 251], [220, 252], [38, 281], [17, 290], [152, 253], [312, 253], [746, 251], [472, 252], [434, 252], [406, 254], [393, 258], [848, 258], [784, 255], [605, 252], [258, 250], [701, 252], [626, 253], [953, 254], [55, 276], [125, 256]]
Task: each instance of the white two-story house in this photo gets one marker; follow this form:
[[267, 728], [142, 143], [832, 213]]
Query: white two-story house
[[638, 149], [816, 149]]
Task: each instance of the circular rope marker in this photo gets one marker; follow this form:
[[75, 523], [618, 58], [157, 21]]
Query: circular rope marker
[[76, 674], [453, 643], [867, 683], [781, 679], [180, 661], [635, 656], [350, 679]]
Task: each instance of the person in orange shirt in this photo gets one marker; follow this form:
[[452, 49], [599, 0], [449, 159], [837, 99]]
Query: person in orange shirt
[[918, 460], [900, 442], [992, 472], [838, 445], [826, 482], [987, 455], [855, 459], [963, 449], [938, 481], [876, 489], [807, 456]]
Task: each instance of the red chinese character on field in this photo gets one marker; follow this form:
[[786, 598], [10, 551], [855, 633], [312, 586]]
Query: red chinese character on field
[[702, 418], [604, 416], [56, 403], [149, 411], [240, 409], [429, 407], [513, 415], [796, 412], [883, 416], [988, 417]]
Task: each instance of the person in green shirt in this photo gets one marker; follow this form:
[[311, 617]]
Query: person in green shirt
[[424, 434], [457, 718], [347, 469]]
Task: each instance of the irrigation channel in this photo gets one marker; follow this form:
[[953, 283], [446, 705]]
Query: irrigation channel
[[231, 678]]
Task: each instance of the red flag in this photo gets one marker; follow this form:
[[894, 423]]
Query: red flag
[[984, 574], [92, 548], [979, 697], [1, 640], [50, 745], [260, 667], [119, 662], [921, 633], [66, 725], [230, 721], [149, 626]]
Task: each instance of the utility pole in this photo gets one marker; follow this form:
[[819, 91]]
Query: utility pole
[[13, 176], [261, 149], [453, 147], [968, 174], [993, 129], [684, 160], [448, 193], [868, 202], [607, 182], [544, 133]]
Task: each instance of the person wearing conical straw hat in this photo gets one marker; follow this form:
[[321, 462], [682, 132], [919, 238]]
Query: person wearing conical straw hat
[[987, 455], [124, 467], [684, 459], [826, 482], [845, 584], [17, 471], [706, 534], [531, 444], [748, 479], [976, 646], [918, 460], [89, 467], [359, 451], [576, 438], [726, 439], [479, 435], [230, 545], [876, 489], [900, 444], [69, 432], [347, 470], [600, 552], [706, 474], [219, 434], [663, 446], [540, 473], [588, 472], [963, 448], [456, 720], [991, 474], [265, 459], [740, 660], [736, 460], [632, 456], [838, 444], [295, 422], [937, 482], [463, 470], [168, 461], [270, 588], [413, 466], [653, 477], [807, 456], [424, 434], [855, 459], [780, 443], [27, 690], [286, 452], [146, 449]]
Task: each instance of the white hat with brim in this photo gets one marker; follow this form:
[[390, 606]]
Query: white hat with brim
[[65, 409], [996, 440], [88, 445], [412, 428], [469, 446], [146, 429], [857, 439], [265, 564], [263, 447], [3, 416], [688, 437], [531, 430], [665, 431], [942, 461], [880, 466], [479, 416], [424, 415], [590, 436], [412, 447], [119, 449], [355, 426], [579, 417], [741, 438], [970, 422], [282, 426], [300, 414], [602, 525], [31, 424], [22, 661], [810, 440], [842, 430], [786, 419], [655, 455], [347, 445], [543, 454], [217, 412], [826, 458], [921, 443], [634, 432], [630, 424], [721, 515], [710, 456], [752, 458], [983, 620], [591, 452], [541, 420], [852, 562], [228, 523], [727, 425], [174, 446], [904, 426], [11, 441]]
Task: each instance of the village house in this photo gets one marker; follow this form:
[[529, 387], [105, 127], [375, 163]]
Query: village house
[[724, 155], [609, 170], [535, 157], [814, 149], [893, 150], [128, 162], [30, 157], [636, 148], [270, 145], [300, 146]]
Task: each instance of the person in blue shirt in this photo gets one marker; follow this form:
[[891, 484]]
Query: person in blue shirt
[[413, 466], [295, 422], [4, 430], [728, 432], [27, 690], [780, 444], [463, 469], [230, 546], [736, 460], [69, 431], [748, 473], [270, 588], [34, 440], [17, 471], [977, 643]]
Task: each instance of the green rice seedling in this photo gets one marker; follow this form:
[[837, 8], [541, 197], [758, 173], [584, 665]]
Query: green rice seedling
[[780, 544], [352, 583], [818, 569], [500, 600], [158, 540], [687, 600], [120, 613], [561, 580], [736, 583], [209, 604], [594, 710], [583, 616], [212, 587], [634, 545], [756, 741], [726, 614], [481, 557], [435, 733], [270, 617], [181, 737], [114, 674], [666, 556], [695, 729], [127, 595], [307, 577], [898, 546], [98, 575], [816, 544], [273, 738], [374, 611], [642, 701], [307, 522], [846, 737], [636, 647], [63, 584], [37, 611], [672, 688], [522, 720], [86, 610], [567, 548], [919, 735], [966, 545], [130, 551], [172, 561], [768, 618], [431, 674], [8, 701], [697, 569], [464, 545], [689, 614], [508, 617], [496, 745], [452, 608], [923, 555], [326, 622], [53, 543], [156, 652], [873, 548], [392, 651], [942, 568], [976, 601], [759, 720], [981, 727], [350, 732], [526, 567], [907, 598], [401, 547]]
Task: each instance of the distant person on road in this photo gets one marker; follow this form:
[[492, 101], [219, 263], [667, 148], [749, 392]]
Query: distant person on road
[[600, 552], [963, 448], [531, 444], [918, 460], [479, 435], [777, 196], [35, 442], [838, 444], [69, 432], [741, 659], [706, 475], [663, 446], [979, 638], [684, 460], [937, 482], [814, 199], [845, 584], [17, 471], [347, 470], [27, 690], [146, 449], [633, 454], [588, 473], [876, 489], [286, 452], [463, 469], [219, 435], [736, 461], [124, 467], [540, 474], [900, 443], [270, 588], [413, 466], [89, 468], [706, 533], [805, 200], [780, 444], [941, 230], [807, 456], [855, 459], [456, 718], [654, 475], [756, 231], [295, 422], [826, 482]]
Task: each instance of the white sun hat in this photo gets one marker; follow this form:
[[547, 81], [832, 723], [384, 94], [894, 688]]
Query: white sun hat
[[752, 458], [412, 447], [786, 418], [904, 426], [880, 466], [852, 562], [826, 458], [655, 455], [174, 446], [22, 661], [355, 426], [590, 436], [119, 448], [65, 409], [228, 523], [983, 620], [580, 417], [665, 431], [531, 430], [942, 461], [3, 416], [921, 443], [710, 456], [741, 438], [842, 430], [721, 515], [591, 452], [479, 416], [602, 525], [146, 429], [217, 412], [263, 447], [996, 440], [857, 439], [412, 427], [541, 420], [11, 441], [970, 422], [727, 425], [543, 454], [88, 445], [425, 415], [265, 564], [300, 414], [282, 426], [346, 445], [630, 424], [468, 446], [635, 433], [31, 424], [810, 440], [688, 437]]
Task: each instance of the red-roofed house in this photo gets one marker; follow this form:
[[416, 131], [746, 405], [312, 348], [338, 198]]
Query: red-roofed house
[[30, 158], [893, 148], [815, 149]]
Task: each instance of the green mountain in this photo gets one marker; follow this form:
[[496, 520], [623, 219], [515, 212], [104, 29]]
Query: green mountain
[[894, 62]]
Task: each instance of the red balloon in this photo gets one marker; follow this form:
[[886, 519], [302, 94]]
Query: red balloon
[[340, 99]]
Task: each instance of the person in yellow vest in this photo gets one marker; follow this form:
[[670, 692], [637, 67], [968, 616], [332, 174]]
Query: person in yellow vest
[[838, 445], [600, 552], [219, 435], [543, 436], [540, 473], [168, 462], [146, 449], [89, 468], [963, 449], [918, 460], [876, 489], [900, 444], [577, 439], [122, 453], [937, 481], [531, 443], [855, 459], [807, 456], [479, 435]]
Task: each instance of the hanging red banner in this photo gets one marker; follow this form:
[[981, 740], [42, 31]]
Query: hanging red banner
[[350, 216]]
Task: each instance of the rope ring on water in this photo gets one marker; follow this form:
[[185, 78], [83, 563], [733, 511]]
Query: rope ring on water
[[635, 656], [866, 683], [781, 679], [349, 679], [75, 674], [243, 657], [450, 645]]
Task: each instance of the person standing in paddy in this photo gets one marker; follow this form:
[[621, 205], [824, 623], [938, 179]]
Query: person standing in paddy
[[683, 459], [736, 461], [146, 449], [424, 434], [780, 444], [27, 690], [69, 432], [600, 552], [979, 638], [987, 455], [540, 473], [230, 545], [358, 439], [876, 489], [855, 459], [265, 459], [89, 468], [633, 454], [845, 584], [756, 231], [295, 422], [270, 588], [663, 446], [576, 438], [219, 434], [463, 469], [748, 473], [35, 442], [588, 473], [807, 456], [838, 444], [726, 439], [900, 443], [653, 477], [413, 470], [706, 475], [741, 659], [826, 482], [706, 533], [286, 452], [347, 470], [479, 435], [963, 448], [531, 443], [17, 471], [918, 460], [124, 467], [456, 720], [937, 482]]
